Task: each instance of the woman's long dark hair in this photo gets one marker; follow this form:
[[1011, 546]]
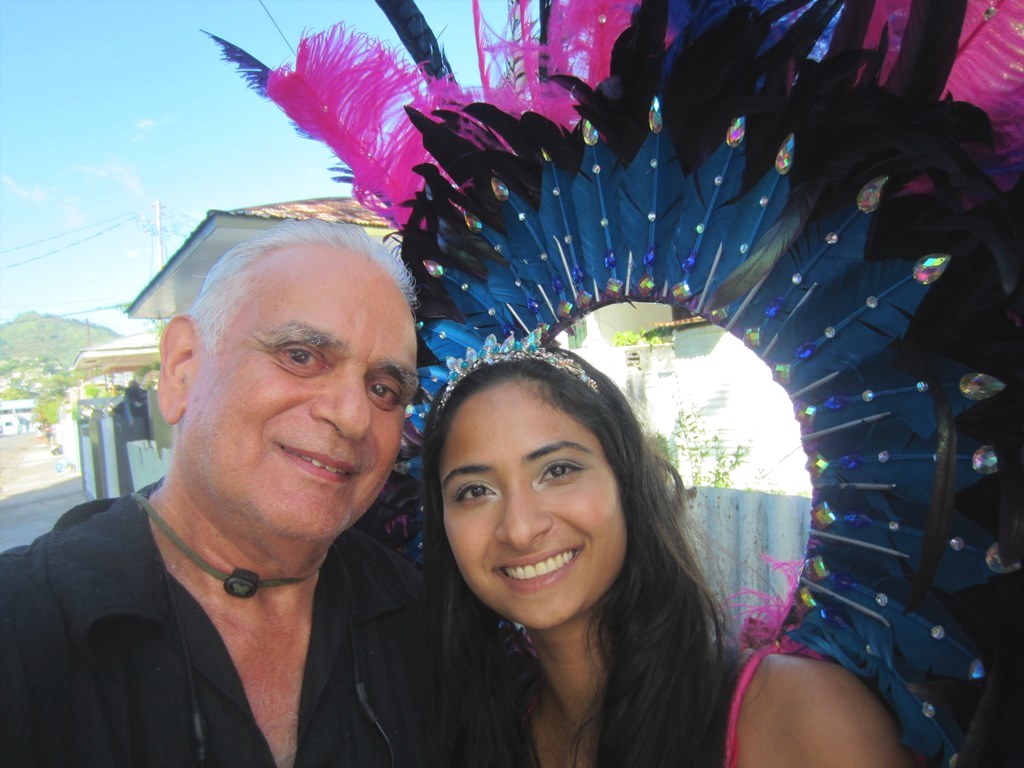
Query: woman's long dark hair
[[661, 630]]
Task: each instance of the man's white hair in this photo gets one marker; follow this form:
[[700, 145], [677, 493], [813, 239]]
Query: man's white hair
[[227, 283]]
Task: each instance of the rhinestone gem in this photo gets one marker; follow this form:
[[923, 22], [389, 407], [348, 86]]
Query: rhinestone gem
[[744, 247], [784, 158], [567, 239], [831, 238], [464, 286], [822, 516], [763, 202], [894, 526], [433, 268], [938, 632], [474, 224], [830, 332], [797, 278], [646, 285], [806, 350], [857, 520], [836, 402], [985, 461], [928, 710], [649, 256], [804, 411], [595, 168], [609, 260], [654, 162], [577, 274], [870, 194], [601, 19], [737, 129], [681, 291], [490, 311], [590, 134], [556, 191], [565, 308], [752, 336], [544, 155], [851, 461], [956, 544], [543, 257], [521, 216], [604, 222], [500, 190], [871, 302], [882, 599], [867, 395], [883, 457], [980, 386], [921, 386], [652, 216], [819, 464], [584, 299], [995, 562], [833, 618], [976, 670], [613, 287], [654, 119], [699, 229], [807, 598], [990, 12], [781, 373], [928, 269], [772, 307], [816, 569], [719, 180]]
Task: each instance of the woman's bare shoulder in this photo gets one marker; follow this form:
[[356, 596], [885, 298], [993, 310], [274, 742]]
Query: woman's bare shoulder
[[801, 711]]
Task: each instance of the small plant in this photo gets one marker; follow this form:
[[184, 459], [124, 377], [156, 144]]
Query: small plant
[[703, 459], [643, 336]]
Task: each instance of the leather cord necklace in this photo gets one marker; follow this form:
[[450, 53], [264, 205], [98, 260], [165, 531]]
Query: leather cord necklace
[[238, 583]]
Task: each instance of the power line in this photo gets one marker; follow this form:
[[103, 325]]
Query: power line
[[69, 245], [279, 30], [63, 234]]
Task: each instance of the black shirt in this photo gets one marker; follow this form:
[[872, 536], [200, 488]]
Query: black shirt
[[92, 663]]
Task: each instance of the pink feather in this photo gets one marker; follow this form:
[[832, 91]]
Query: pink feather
[[349, 91], [580, 41], [989, 73]]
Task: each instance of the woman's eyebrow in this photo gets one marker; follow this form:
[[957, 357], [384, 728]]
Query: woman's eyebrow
[[544, 450], [467, 469]]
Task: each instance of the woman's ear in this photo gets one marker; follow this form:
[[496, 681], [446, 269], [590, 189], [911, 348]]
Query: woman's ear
[[179, 360]]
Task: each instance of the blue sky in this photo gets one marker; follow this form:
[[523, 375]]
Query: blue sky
[[107, 106]]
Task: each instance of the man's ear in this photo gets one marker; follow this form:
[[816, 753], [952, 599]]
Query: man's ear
[[179, 362]]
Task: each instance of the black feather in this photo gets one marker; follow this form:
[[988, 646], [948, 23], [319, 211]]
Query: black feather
[[254, 72], [417, 37]]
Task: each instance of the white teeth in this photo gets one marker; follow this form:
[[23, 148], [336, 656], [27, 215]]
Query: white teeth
[[523, 572], [320, 464]]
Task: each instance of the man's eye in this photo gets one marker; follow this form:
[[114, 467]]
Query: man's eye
[[300, 356], [389, 395]]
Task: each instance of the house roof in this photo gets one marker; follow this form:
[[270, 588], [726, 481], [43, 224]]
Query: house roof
[[177, 284], [127, 353]]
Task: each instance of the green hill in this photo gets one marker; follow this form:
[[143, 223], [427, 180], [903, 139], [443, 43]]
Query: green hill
[[45, 337]]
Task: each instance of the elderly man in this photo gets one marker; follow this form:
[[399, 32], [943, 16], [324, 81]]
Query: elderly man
[[222, 617]]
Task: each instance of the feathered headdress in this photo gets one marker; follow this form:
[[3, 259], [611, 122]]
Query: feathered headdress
[[836, 184]]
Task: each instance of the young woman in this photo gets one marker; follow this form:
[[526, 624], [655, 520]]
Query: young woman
[[571, 624]]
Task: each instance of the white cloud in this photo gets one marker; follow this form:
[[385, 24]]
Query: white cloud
[[125, 175], [36, 194], [145, 124]]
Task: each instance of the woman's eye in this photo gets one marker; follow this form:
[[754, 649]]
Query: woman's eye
[[471, 492], [561, 470]]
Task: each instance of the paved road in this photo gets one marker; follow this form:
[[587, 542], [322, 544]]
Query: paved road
[[34, 495]]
